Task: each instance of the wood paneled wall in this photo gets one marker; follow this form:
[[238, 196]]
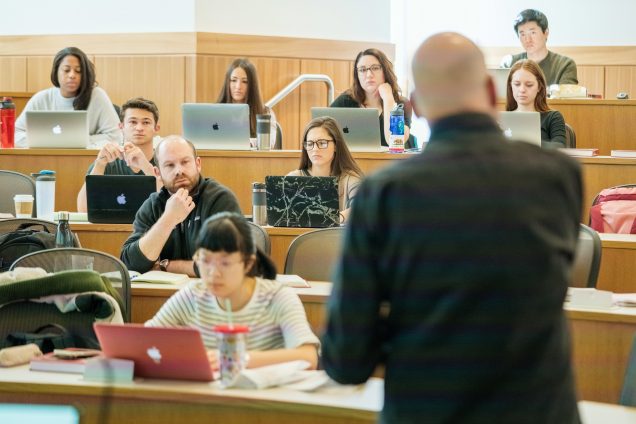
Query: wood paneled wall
[[174, 68]]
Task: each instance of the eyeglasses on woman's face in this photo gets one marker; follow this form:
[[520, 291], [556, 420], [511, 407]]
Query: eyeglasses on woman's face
[[321, 143], [362, 70], [210, 261]]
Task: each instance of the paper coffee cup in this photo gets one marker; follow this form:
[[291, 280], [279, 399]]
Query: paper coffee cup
[[23, 205]]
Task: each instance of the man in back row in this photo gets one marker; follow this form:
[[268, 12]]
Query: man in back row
[[531, 26], [456, 262], [168, 222], [139, 124]]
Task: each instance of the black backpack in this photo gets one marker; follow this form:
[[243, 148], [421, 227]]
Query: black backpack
[[25, 239]]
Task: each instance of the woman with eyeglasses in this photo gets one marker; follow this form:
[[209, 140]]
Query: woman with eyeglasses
[[527, 92], [233, 268], [324, 154], [375, 86]]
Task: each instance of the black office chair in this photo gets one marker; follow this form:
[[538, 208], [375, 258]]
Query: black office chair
[[313, 255], [628, 394], [12, 183], [570, 137], [55, 260], [587, 259]]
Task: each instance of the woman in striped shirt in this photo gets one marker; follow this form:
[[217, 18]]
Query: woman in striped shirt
[[232, 267]]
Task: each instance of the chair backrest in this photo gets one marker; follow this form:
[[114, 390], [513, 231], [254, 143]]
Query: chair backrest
[[63, 259], [313, 255], [12, 183], [628, 394], [261, 238], [587, 259], [570, 137], [279, 137]]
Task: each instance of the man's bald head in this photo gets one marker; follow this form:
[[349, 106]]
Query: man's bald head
[[450, 77], [172, 140]]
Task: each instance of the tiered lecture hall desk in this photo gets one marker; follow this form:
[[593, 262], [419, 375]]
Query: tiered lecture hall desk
[[163, 401]]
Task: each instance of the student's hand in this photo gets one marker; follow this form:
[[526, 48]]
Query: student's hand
[[385, 91], [136, 159], [108, 153], [213, 359], [178, 206]]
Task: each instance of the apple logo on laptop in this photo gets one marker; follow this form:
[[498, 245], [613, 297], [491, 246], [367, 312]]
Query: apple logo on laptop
[[57, 130], [154, 354], [121, 199], [345, 130], [215, 127], [508, 133]]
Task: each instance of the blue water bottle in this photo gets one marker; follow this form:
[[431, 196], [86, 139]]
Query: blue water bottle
[[396, 142]]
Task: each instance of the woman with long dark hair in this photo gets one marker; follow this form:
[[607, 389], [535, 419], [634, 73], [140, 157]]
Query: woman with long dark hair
[[324, 153], [375, 86], [74, 88], [241, 86]]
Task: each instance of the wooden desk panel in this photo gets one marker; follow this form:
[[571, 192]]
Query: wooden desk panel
[[601, 341], [163, 401], [618, 263], [602, 124], [234, 169]]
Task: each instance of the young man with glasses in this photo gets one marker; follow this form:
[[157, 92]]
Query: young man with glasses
[[531, 26], [375, 86], [139, 125]]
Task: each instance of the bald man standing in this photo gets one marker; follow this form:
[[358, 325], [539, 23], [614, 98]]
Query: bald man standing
[[455, 264]]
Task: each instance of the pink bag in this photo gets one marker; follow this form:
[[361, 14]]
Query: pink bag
[[614, 211]]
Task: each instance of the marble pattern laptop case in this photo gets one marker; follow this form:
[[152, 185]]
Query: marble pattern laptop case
[[302, 201]]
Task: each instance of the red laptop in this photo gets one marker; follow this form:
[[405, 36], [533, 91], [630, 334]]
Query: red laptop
[[174, 353]]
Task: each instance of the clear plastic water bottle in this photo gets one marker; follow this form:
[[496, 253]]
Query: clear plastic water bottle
[[63, 235], [396, 127], [7, 123]]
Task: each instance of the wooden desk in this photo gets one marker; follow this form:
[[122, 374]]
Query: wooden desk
[[110, 238], [602, 124], [164, 401], [618, 263], [235, 169], [601, 340]]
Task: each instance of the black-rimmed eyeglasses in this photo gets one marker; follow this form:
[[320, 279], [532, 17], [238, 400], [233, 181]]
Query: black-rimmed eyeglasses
[[322, 144]]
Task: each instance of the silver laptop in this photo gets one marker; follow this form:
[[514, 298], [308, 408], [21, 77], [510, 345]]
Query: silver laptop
[[217, 126], [521, 126], [500, 78], [360, 127], [57, 129]]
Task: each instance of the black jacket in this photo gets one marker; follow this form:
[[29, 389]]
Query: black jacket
[[470, 245], [209, 196]]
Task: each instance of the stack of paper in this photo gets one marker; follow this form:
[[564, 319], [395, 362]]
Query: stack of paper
[[160, 277]]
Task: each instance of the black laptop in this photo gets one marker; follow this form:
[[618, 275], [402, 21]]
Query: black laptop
[[302, 201], [115, 199]]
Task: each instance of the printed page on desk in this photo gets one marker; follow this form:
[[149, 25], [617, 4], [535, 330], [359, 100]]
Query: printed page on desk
[[160, 277], [292, 280]]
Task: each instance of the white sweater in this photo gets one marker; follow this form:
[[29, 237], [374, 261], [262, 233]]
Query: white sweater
[[103, 122]]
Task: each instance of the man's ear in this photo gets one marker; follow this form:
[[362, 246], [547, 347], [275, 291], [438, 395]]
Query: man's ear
[[413, 100], [492, 91]]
